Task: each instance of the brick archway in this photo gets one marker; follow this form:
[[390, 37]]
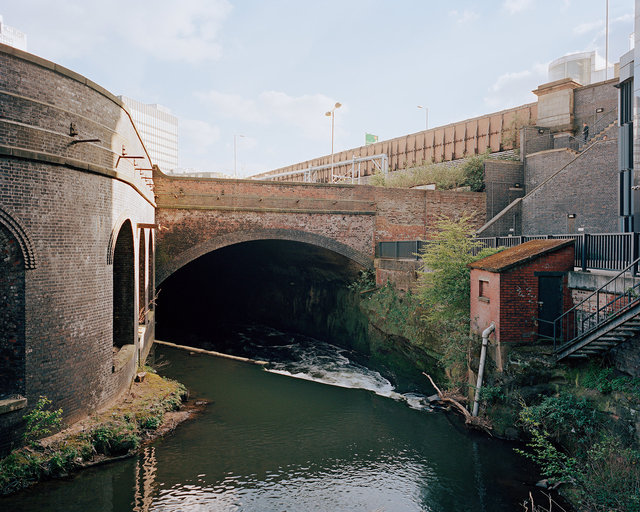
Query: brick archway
[[227, 239]]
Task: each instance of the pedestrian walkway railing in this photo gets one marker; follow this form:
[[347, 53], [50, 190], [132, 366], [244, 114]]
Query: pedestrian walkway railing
[[593, 251]]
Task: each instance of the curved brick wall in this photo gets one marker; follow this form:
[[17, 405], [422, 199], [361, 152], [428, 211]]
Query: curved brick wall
[[63, 201]]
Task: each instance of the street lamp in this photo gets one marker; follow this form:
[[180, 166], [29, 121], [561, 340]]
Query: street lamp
[[426, 116], [332, 115], [235, 155]]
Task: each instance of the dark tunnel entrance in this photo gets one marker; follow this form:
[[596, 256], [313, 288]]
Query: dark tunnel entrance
[[283, 284]]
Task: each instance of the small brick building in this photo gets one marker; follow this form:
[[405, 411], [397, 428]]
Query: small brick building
[[517, 287]]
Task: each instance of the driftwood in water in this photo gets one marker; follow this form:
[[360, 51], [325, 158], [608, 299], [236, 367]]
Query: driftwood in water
[[454, 400]]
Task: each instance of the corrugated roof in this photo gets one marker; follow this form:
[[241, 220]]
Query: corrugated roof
[[519, 254]]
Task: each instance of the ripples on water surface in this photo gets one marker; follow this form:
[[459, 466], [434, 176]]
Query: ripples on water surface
[[269, 442]]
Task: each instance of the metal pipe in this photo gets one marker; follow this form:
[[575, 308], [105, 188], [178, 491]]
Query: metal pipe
[[483, 358]]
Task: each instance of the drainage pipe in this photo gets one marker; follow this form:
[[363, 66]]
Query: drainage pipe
[[483, 358]]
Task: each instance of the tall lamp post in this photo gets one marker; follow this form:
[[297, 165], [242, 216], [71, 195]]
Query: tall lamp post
[[332, 115], [426, 116], [235, 155]]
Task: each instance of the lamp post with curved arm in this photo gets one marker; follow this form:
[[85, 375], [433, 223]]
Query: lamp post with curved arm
[[426, 116], [332, 115], [235, 155]]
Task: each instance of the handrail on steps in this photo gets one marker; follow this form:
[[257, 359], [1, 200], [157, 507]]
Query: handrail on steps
[[583, 318]]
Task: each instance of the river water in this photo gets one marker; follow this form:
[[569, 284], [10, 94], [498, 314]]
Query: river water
[[313, 432]]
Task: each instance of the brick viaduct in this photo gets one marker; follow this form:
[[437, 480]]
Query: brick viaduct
[[196, 216]]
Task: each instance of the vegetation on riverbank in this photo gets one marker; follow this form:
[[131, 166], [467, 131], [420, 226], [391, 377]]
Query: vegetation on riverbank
[[580, 422], [138, 416]]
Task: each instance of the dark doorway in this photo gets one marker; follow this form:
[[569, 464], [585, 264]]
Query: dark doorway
[[549, 301], [124, 288], [142, 288]]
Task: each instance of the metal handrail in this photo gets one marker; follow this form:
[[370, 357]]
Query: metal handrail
[[574, 323], [577, 142], [593, 251]]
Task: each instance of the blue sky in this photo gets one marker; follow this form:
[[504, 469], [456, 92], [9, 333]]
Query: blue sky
[[270, 69]]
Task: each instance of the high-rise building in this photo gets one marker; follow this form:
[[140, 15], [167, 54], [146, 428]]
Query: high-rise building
[[12, 36], [158, 129]]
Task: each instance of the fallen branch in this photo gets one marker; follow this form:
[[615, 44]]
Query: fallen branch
[[454, 401]]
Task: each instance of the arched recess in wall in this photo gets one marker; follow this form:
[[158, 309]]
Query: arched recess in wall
[[124, 319], [142, 271], [151, 271], [12, 315], [264, 234]]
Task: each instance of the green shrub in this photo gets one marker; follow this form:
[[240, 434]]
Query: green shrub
[[366, 281], [115, 438], [603, 380], [604, 473], [150, 422], [491, 394], [565, 418], [41, 421]]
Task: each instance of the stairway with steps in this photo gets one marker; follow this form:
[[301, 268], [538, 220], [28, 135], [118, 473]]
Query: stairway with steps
[[606, 318]]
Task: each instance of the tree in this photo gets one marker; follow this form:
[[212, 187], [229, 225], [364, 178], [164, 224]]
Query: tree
[[444, 289]]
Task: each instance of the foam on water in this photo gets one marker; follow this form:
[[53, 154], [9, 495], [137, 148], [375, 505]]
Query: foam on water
[[310, 359]]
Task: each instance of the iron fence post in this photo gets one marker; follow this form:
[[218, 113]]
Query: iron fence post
[[634, 253], [585, 238]]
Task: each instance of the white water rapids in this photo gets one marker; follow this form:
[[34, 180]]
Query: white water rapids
[[302, 357]]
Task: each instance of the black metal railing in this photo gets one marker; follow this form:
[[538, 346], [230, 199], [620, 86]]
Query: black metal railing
[[577, 142], [593, 251], [612, 299]]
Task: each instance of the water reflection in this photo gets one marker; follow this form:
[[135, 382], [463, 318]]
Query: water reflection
[[268, 442], [146, 467]]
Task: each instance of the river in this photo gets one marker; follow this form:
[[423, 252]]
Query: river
[[315, 431]]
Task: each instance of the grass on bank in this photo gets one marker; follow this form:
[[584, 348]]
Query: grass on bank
[[114, 432]]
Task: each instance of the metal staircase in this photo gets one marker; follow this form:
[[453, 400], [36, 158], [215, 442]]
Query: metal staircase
[[606, 318]]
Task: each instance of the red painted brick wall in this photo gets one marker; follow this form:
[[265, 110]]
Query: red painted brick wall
[[513, 297], [486, 308], [519, 295]]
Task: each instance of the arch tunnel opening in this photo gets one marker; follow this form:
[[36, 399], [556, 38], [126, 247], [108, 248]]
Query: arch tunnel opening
[[287, 285]]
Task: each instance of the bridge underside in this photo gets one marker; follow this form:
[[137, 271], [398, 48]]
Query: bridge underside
[[281, 283]]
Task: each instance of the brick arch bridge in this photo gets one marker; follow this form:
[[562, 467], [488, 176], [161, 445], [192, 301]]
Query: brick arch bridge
[[196, 216], [218, 242]]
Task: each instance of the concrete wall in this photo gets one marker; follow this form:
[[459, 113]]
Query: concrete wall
[[64, 202], [495, 132]]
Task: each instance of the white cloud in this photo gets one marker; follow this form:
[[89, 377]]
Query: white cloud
[[232, 106], [585, 28], [515, 6], [598, 26], [197, 137], [464, 16], [514, 88], [165, 29], [185, 30], [304, 113]]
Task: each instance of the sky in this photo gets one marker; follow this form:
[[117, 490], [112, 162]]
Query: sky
[[269, 69]]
